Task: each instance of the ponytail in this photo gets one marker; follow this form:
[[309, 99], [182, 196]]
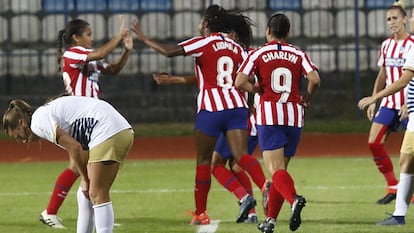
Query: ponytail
[[17, 110]]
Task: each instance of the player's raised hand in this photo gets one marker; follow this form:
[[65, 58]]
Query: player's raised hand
[[122, 27], [127, 41], [136, 27]]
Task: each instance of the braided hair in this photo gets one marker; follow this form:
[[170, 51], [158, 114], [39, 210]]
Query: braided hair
[[74, 27]]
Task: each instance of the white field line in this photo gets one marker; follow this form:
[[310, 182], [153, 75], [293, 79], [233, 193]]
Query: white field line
[[167, 191], [210, 228]]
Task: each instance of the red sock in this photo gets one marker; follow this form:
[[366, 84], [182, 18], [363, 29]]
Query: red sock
[[244, 180], [275, 203], [283, 183], [202, 187], [229, 181], [252, 166], [62, 186], [383, 162]]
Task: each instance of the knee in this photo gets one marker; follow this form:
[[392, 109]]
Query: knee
[[376, 147]]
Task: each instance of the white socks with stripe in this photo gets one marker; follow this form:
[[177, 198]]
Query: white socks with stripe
[[100, 216]]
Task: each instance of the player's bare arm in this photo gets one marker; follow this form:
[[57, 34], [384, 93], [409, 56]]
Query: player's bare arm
[[168, 50], [405, 78], [314, 81], [166, 79], [107, 48]]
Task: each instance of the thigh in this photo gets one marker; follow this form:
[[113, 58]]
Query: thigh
[[101, 177], [205, 147], [237, 140], [222, 147]]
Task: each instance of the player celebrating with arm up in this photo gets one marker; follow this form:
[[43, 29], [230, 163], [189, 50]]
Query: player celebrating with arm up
[[279, 68], [221, 108]]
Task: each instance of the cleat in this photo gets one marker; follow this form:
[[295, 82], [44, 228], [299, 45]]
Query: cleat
[[245, 206], [265, 196], [267, 226], [252, 219], [201, 219], [392, 221], [389, 197], [295, 219], [51, 220]]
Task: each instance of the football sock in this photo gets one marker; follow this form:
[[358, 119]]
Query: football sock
[[229, 181], [275, 202], [62, 186], [104, 217], [383, 162], [252, 166], [85, 221], [202, 187], [244, 180], [404, 194], [283, 183]]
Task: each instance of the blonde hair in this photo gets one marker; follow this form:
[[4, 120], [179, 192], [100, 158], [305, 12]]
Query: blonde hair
[[17, 110], [399, 3]]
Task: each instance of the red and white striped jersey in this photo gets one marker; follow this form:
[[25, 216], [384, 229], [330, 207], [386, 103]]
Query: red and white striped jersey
[[279, 68], [80, 76], [216, 61], [392, 57]]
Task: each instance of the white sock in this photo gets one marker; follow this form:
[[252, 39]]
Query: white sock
[[404, 194], [85, 214], [104, 217]]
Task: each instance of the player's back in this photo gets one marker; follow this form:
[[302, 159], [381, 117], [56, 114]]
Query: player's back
[[279, 69]]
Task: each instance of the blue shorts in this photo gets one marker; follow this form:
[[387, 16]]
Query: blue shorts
[[272, 137], [390, 118], [222, 147], [216, 123]]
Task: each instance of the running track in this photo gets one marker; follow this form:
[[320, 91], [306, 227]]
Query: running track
[[327, 145]]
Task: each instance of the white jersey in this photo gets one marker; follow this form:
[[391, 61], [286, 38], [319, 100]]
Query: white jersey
[[392, 57], [409, 65], [90, 121]]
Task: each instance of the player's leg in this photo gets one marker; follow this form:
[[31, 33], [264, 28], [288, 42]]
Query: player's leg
[[62, 186], [227, 179], [380, 129], [237, 140], [406, 184], [103, 165]]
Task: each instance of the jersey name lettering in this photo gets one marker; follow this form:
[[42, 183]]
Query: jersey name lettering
[[225, 45], [279, 55]]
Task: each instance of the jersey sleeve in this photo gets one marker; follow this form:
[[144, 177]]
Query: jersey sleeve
[[44, 125], [194, 46], [409, 63], [307, 64]]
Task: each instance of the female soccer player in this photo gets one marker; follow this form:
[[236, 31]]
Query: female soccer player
[[97, 139], [81, 71], [221, 109], [392, 55], [279, 68], [406, 184]]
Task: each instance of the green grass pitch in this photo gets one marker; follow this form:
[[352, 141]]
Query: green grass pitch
[[153, 196]]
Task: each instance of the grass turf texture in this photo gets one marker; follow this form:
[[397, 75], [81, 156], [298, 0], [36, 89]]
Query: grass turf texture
[[152, 196]]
